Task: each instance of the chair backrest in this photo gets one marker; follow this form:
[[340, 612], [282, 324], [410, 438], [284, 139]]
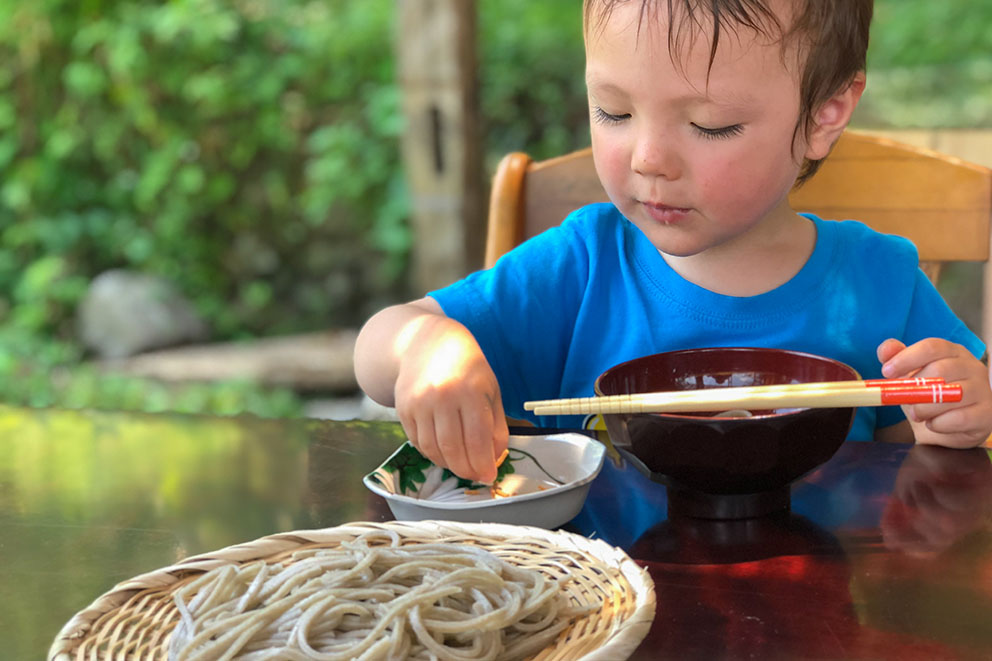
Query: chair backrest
[[941, 203]]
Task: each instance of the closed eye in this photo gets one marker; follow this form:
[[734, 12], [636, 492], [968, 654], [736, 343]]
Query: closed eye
[[722, 132], [604, 117]]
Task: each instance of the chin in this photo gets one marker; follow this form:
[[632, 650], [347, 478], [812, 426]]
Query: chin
[[669, 245]]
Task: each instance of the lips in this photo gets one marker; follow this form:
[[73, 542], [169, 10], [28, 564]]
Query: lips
[[664, 213]]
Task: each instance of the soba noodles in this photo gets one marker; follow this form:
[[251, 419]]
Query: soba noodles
[[360, 601]]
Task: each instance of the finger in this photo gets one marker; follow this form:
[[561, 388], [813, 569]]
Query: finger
[[924, 356], [952, 429], [420, 434], [478, 431], [409, 425], [427, 441], [888, 349], [501, 435], [945, 418], [451, 444]]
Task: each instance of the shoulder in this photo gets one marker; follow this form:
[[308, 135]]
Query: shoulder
[[593, 220], [856, 240], [559, 254], [875, 271], [583, 235]]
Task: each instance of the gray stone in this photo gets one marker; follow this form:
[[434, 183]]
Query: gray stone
[[125, 312], [307, 362]]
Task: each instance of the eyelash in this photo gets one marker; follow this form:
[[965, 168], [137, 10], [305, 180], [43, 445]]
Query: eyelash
[[720, 133], [724, 132], [604, 117]]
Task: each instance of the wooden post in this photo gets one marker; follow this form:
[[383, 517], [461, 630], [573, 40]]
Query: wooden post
[[441, 146], [986, 306]]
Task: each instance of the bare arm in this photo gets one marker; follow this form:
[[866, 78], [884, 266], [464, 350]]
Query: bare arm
[[382, 342], [432, 370]]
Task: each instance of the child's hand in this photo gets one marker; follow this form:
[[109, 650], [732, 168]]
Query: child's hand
[[448, 400], [940, 495], [961, 424]]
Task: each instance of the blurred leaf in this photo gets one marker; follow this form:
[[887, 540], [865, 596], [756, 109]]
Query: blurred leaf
[[929, 65]]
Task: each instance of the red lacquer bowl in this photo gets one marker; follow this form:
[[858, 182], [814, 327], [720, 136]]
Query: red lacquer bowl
[[726, 467]]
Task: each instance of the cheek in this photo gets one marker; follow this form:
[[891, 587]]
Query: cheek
[[750, 180], [611, 160], [725, 179]]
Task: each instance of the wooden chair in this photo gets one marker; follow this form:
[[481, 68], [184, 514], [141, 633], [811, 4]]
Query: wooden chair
[[941, 203]]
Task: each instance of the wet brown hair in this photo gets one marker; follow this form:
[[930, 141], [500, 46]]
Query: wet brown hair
[[831, 36]]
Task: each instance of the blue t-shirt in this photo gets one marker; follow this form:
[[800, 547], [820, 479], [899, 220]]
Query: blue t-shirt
[[566, 305]]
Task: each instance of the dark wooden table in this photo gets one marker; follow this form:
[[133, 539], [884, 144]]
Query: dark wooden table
[[886, 553]]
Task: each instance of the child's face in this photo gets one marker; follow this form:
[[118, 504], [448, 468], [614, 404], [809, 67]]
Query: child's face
[[694, 162]]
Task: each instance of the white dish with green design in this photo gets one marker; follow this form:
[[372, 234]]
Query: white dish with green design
[[542, 482]]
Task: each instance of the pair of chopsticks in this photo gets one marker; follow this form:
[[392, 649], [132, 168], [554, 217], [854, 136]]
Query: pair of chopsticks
[[872, 392]]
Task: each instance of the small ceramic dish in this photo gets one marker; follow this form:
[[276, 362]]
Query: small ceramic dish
[[542, 482]]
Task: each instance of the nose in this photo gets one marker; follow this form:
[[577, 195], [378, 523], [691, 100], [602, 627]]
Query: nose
[[656, 155]]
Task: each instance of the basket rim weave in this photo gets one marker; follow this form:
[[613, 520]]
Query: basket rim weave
[[614, 633]]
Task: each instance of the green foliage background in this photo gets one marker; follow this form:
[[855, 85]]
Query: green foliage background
[[929, 65], [247, 150], [244, 150]]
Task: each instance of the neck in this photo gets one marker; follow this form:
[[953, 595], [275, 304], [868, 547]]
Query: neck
[[754, 263]]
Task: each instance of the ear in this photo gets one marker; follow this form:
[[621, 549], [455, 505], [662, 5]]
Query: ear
[[832, 117]]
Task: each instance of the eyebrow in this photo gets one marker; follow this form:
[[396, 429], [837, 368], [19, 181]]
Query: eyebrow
[[733, 102], [604, 86]]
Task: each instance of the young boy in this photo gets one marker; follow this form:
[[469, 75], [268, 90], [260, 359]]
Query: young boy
[[703, 117]]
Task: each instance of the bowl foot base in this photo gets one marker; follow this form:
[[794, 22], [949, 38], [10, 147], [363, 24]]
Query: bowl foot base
[[696, 504]]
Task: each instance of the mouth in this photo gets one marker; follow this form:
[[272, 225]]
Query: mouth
[[664, 213]]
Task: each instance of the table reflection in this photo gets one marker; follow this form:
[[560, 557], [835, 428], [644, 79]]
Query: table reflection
[[740, 580], [769, 587], [89, 499], [940, 497], [921, 499], [885, 553]]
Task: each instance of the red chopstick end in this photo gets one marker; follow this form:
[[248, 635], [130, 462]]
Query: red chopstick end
[[932, 394]]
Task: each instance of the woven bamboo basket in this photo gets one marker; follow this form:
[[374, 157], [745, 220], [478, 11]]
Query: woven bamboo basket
[[134, 620]]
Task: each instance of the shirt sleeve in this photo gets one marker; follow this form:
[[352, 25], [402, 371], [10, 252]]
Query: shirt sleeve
[[930, 316]]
